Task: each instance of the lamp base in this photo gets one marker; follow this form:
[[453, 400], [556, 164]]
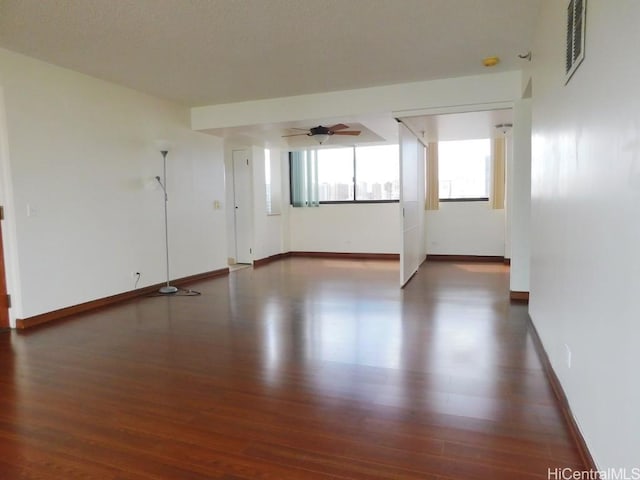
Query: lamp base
[[166, 290]]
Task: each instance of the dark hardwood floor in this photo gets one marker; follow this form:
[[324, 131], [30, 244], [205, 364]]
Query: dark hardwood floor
[[301, 369]]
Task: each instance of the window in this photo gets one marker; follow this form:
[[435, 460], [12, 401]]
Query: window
[[464, 170], [335, 175], [272, 182], [356, 174], [377, 173]]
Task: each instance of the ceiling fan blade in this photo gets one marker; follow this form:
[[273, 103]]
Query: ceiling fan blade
[[294, 135], [296, 128], [349, 132], [338, 126]]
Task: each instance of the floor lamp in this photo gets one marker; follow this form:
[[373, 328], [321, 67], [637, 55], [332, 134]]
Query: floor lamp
[[167, 289]]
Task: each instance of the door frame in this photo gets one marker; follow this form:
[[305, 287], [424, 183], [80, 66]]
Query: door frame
[[4, 297]]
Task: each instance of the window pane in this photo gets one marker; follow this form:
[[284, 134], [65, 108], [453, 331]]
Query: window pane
[[463, 168], [335, 174], [378, 173], [273, 183], [267, 178]]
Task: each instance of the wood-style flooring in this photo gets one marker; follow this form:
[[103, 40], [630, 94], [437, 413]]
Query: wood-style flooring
[[301, 369]]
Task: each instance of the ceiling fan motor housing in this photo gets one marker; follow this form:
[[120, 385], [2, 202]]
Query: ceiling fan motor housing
[[319, 130]]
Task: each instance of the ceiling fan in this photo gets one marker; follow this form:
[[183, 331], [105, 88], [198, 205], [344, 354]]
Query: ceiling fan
[[321, 134]]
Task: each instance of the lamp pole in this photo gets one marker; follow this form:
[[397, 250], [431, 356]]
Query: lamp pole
[[167, 289]]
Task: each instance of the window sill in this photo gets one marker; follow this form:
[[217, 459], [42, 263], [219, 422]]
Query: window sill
[[351, 202], [451, 200]]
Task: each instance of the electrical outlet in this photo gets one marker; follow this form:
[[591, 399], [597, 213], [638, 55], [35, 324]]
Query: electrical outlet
[[568, 352]]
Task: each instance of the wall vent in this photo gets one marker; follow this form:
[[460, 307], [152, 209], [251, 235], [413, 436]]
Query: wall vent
[[576, 22]]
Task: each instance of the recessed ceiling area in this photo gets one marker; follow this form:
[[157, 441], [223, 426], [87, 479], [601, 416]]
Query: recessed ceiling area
[[375, 129], [460, 126], [221, 51]]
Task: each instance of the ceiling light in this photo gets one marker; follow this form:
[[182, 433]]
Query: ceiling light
[[321, 137]]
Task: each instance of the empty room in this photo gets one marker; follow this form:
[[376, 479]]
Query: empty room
[[285, 239]]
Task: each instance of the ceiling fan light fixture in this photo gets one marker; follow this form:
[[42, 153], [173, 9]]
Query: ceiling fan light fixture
[[321, 137]]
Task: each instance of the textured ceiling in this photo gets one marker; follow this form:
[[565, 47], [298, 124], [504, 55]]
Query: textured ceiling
[[201, 52]]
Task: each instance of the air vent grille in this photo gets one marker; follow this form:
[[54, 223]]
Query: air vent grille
[[576, 17]]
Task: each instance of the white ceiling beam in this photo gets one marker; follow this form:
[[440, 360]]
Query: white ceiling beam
[[485, 89]]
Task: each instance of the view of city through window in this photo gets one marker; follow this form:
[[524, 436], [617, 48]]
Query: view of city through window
[[359, 174], [464, 169]]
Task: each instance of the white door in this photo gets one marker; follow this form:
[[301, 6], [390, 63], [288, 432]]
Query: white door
[[411, 204], [243, 211]]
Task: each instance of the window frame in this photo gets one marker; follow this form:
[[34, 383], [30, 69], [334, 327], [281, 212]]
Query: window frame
[[464, 199], [354, 200]]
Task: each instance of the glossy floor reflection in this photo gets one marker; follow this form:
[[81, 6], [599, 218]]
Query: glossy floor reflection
[[301, 369]]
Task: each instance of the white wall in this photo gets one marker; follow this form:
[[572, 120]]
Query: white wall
[[82, 156], [268, 229], [519, 212], [465, 228], [348, 228], [585, 227], [509, 190], [285, 195]]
